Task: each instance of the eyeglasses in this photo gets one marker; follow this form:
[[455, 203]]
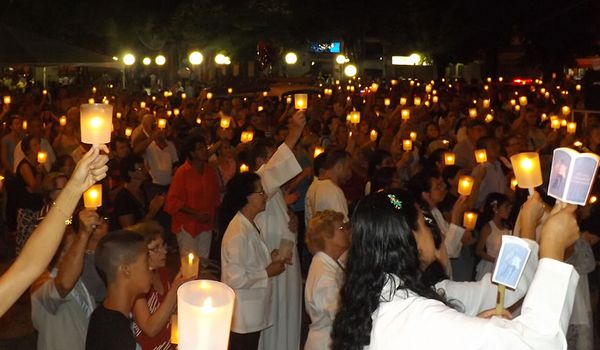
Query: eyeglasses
[[158, 248]]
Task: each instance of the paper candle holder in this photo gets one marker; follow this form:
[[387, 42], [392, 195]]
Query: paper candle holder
[[527, 169], [92, 198], [469, 220], [387, 102], [413, 136], [407, 145], [473, 112], [244, 168], [162, 123], [24, 125], [405, 113], [565, 110], [417, 101], [204, 313], [355, 117], [373, 135], [246, 136], [128, 132], [198, 120], [190, 266], [42, 157], [489, 118], [301, 101], [486, 103], [96, 123], [209, 95], [62, 121], [481, 156], [465, 185], [523, 101], [6, 100], [176, 111], [402, 101], [225, 122], [449, 158], [571, 127]]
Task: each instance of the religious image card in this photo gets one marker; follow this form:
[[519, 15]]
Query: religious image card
[[511, 261], [572, 175]]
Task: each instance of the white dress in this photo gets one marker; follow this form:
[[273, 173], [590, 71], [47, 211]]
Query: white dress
[[286, 306], [492, 247], [322, 195]]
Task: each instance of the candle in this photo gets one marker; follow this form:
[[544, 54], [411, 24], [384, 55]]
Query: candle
[[225, 121], [246, 136], [162, 123], [209, 95], [260, 108], [41, 157], [169, 113], [93, 89], [517, 108], [449, 158], [413, 136], [489, 118], [230, 91], [417, 101], [407, 145], [183, 96], [318, 150], [92, 198], [300, 101], [500, 79], [481, 155], [593, 199], [543, 117], [469, 220], [486, 103], [465, 185], [434, 99], [523, 101], [565, 110], [554, 123], [176, 111], [189, 266], [128, 131], [205, 310], [91, 101], [374, 87], [62, 120], [119, 115], [244, 168], [405, 113], [527, 169], [355, 117], [7, 100], [387, 102], [174, 330], [373, 135], [473, 112], [142, 104], [394, 82], [513, 102], [96, 122], [198, 120], [402, 101], [563, 122], [24, 125], [288, 100], [428, 88], [571, 127], [513, 184], [44, 92], [578, 143], [412, 82]]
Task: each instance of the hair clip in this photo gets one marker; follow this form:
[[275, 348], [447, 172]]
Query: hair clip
[[395, 201], [428, 220]]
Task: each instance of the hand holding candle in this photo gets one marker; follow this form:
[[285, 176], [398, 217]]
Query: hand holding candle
[[318, 150], [42, 157], [225, 121], [407, 145], [481, 156], [189, 266], [301, 101], [449, 158]]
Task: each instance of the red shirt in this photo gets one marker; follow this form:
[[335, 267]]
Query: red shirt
[[198, 191], [162, 341]]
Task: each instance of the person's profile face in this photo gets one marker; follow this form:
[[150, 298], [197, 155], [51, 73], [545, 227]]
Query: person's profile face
[[157, 253], [122, 150], [341, 235], [257, 199], [438, 190], [141, 274]]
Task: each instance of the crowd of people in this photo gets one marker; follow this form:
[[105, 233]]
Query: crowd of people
[[346, 208]]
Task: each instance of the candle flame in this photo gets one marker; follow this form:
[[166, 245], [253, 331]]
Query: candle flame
[[96, 122], [207, 306], [593, 199], [190, 258], [93, 194], [526, 164]]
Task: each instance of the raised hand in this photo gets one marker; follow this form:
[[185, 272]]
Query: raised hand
[[90, 169]]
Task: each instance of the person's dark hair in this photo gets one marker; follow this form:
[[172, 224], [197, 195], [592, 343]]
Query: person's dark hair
[[118, 139], [420, 183], [128, 164], [492, 201], [258, 149], [236, 197], [116, 249], [189, 145], [318, 163], [375, 161], [450, 172], [433, 158], [333, 157], [383, 246], [484, 141], [26, 143], [382, 178]]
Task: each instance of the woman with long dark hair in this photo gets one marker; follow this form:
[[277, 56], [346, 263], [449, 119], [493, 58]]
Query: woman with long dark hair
[[386, 305], [246, 264]]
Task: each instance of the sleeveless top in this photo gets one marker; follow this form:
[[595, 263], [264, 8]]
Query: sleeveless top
[[24, 198]]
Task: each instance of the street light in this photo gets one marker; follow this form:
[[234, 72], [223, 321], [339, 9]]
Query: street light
[[129, 59], [160, 60], [146, 61], [195, 57], [340, 59], [222, 59], [350, 70], [291, 58]]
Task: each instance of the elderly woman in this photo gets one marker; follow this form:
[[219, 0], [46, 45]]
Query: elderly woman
[[327, 237]]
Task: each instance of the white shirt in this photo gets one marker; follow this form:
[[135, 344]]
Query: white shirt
[[18, 155], [409, 321], [160, 162], [322, 195], [323, 284], [244, 259]]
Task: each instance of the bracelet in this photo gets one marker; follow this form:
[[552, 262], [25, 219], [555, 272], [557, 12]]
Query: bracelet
[[69, 219]]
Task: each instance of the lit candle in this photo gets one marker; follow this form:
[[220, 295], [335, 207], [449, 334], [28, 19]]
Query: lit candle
[[500, 79], [183, 96], [142, 105], [225, 121], [119, 115], [189, 266], [513, 184], [449, 158], [407, 145], [489, 118], [565, 110], [469, 220], [547, 94], [544, 117], [577, 87], [260, 108], [355, 117], [288, 100], [486, 103], [96, 122], [174, 330], [44, 92], [41, 157], [24, 125], [513, 102], [428, 88], [169, 113], [62, 120], [318, 150], [92, 198], [523, 101], [593, 199], [7, 100], [244, 168], [412, 83], [246, 136], [417, 101], [571, 127], [434, 99], [204, 312], [230, 91], [162, 123], [300, 101], [563, 122], [413, 136], [209, 95], [93, 89], [554, 123], [578, 143], [373, 135], [527, 169], [405, 113], [481, 156], [517, 108], [465, 185], [473, 112], [176, 111], [374, 87], [402, 101], [387, 102], [128, 131], [198, 120]]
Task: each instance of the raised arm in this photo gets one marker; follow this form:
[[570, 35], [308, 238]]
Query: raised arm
[[44, 240]]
